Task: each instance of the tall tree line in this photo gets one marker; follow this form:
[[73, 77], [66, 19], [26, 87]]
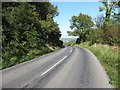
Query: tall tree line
[[28, 31]]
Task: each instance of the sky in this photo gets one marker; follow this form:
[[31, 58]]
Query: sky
[[68, 9]]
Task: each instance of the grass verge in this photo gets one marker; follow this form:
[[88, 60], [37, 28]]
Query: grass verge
[[109, 58], [35, 53]]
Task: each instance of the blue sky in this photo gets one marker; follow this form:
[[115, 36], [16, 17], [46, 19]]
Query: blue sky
[[68, 9]]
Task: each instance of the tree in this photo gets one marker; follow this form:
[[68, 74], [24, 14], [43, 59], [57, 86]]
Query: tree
[[80, 25], [109, 7], [112, 19], [28, 30], [46, 12], [100, 21], [95, 35]]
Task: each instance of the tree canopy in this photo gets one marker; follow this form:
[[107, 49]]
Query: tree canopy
[[28, 31], [109, 8], [80, 25], [107, 26]]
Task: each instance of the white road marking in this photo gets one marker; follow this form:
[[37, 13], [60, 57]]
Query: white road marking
[[70, 50], [53, 66]]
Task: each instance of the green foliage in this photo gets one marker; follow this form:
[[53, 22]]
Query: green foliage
[[109, 24], [27, 28], [70, 43], [109, 59], [89, 43], [80, 24], [95, 36], [107, 30], [109, 8], [113, 36]]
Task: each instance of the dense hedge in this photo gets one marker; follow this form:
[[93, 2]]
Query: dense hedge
[[28, 31]]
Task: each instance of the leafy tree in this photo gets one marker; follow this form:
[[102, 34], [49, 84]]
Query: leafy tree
[[10, 4], [27, 29], [109, 8], [80, 24], [111, 24], [46, 12], [95, 35]]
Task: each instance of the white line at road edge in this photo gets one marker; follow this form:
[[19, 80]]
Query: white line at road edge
[[53, 66]]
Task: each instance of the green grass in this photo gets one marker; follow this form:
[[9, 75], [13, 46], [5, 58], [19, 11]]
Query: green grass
[[109, 59]]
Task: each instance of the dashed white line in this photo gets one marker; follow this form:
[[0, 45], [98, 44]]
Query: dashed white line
[[53, 66]]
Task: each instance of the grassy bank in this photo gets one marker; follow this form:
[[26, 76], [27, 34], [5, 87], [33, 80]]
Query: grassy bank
[[35, 53], [109, 59]]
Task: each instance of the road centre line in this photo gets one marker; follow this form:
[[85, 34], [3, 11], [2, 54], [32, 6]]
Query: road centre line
[[53, 66], [70, 50]]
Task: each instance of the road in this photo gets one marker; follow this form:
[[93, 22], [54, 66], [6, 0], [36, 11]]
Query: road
[[69, 67]]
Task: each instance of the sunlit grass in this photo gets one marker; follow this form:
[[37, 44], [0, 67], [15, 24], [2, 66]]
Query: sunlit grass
[[109, 58]]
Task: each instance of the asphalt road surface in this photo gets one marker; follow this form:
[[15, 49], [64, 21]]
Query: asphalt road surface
[[69, 67]]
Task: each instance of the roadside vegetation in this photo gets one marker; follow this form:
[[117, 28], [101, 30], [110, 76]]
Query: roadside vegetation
[[109, 58], [102, 37], [0, 47], [28, 31], [70, 43], [105, 30]]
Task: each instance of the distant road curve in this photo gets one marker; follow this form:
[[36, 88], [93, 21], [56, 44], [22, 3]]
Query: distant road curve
[[69, 67]]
